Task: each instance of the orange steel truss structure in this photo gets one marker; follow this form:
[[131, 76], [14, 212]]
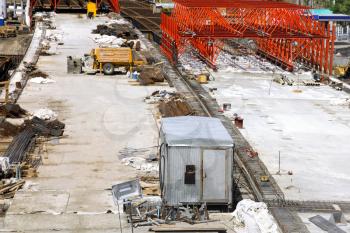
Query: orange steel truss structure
[[285, 33]]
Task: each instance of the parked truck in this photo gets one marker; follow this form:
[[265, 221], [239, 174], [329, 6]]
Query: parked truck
[[106, 60]]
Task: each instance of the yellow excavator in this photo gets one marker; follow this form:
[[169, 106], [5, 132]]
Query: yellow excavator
[[343, 72]]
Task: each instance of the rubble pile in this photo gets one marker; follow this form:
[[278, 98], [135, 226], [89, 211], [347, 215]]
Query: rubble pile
[[158, 96], [226, 62], [150, 75], [170, 104], [46, 18], [116, 33], [12, 111], [150, 185], [149, 211], [9, 187], [115, 29], [37, 73], [8, 130], [175, 106], [52, 39]]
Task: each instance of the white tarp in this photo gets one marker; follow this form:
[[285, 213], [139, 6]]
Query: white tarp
[[45, 114], [254, 217]]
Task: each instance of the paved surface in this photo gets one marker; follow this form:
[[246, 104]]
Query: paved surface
[[310, 129], [103, 116]]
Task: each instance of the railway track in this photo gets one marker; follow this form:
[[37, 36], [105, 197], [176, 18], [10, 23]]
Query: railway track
[[142, 16], [251, 168]]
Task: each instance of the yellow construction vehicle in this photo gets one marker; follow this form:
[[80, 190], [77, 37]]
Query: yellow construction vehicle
[[91, 8], [106, 60], [342, 72], [8, 31]]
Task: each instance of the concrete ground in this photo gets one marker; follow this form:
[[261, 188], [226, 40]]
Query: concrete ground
[[310, 129], [103, 116]]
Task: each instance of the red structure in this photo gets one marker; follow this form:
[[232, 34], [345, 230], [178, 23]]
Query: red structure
[[283, 32]]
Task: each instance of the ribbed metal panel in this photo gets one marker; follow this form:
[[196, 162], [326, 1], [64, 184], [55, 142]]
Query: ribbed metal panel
[[176, 190], [174, 160]]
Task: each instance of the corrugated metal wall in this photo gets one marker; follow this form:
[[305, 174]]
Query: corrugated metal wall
[[175, 189], [176, 159]]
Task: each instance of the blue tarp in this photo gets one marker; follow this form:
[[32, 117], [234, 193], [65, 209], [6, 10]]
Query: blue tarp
[[328, 15]]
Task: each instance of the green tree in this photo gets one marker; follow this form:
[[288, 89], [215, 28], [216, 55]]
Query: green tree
[[341, 6]]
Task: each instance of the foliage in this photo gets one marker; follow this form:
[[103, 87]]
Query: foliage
[[341, 6]]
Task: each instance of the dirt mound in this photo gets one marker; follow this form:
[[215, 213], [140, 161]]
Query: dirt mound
[[118, 30], [9, 130], [12, 111]]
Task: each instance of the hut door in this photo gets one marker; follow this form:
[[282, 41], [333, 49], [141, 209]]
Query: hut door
[[214, 175]]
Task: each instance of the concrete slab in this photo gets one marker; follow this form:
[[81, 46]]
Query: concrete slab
[[315, 229], [104, 116], [49, 202], [68, 222], [310, 129]]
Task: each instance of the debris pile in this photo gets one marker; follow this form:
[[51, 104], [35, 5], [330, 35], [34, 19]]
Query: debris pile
[[37, 73], [143, 159], [47, 18], [9, 110], [8, 187], [175, 106], [113, 28], [150, 75], [149, 211], [50, 42], [145, 210], [150, 185], [43, 123], [170, 104], [158, 96], [140, 164], [8, 130], [116, 33], [303, 79]]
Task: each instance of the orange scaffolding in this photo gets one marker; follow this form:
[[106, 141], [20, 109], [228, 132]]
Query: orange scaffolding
[[285, 33]]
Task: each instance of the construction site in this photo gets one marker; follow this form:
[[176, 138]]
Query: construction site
[[228, 116]]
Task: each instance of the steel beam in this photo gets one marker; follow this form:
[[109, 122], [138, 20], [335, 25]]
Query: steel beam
[[284, 32]]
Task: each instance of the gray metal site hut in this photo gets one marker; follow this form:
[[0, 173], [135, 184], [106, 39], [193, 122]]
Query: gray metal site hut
[[196, 162]]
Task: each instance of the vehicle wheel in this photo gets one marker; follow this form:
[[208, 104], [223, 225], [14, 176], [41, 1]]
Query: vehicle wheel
[[108, 69]]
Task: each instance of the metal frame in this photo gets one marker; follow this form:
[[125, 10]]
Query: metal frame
[[286, 33], [54, 4]]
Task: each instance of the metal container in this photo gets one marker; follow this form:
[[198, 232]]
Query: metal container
[[74, 65], [196, 161]]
